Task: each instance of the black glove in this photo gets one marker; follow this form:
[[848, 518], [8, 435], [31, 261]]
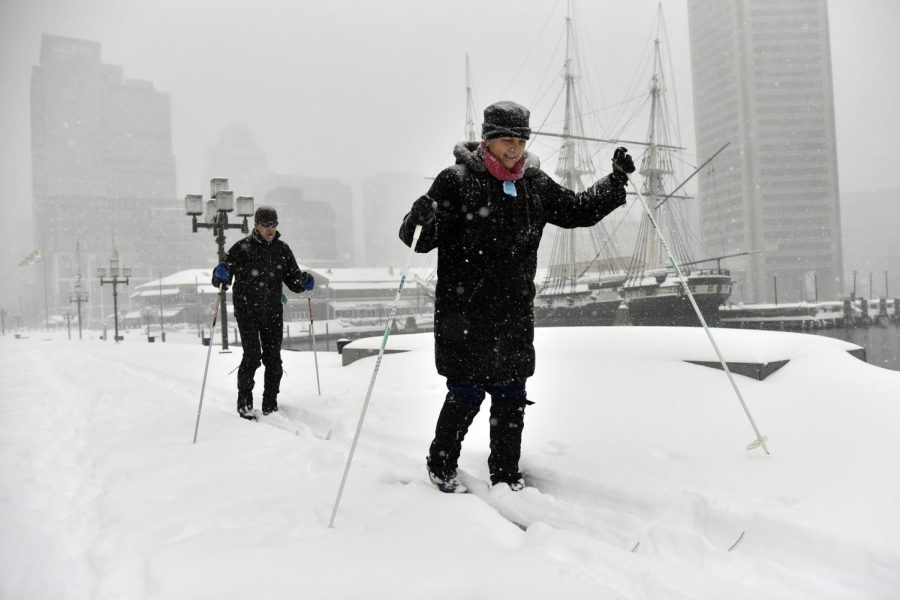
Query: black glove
[[622, 164], [422, 211]]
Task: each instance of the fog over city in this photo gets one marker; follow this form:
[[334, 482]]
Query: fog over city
[[349, 90], [692, 361]]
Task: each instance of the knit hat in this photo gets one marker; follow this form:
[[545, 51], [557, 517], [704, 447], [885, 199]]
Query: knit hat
[[505, 119], [265, 213]]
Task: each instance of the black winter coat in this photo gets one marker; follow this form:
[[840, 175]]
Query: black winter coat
[[487, 246], [258, 269]]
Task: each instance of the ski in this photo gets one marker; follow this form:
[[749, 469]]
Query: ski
[[531, 505], [278, 421], [482, 489]]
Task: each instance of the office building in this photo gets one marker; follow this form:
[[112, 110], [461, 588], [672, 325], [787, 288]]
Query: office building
[[762, 83], [103, 171]]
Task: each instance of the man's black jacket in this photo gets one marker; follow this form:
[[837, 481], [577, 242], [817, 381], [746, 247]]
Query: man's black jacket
[[258, 269]]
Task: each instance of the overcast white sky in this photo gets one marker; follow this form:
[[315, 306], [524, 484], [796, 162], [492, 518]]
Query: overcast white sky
[[349, 89]]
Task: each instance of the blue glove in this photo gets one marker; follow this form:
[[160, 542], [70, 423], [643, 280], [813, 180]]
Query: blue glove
[[222, 273], [310, 283]]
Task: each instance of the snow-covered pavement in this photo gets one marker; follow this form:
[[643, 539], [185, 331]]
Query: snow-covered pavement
[[104, 496]]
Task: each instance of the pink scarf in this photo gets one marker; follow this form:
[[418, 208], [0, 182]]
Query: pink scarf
[[496, 168]]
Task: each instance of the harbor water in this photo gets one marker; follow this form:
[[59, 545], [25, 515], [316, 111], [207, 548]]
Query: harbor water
[[882, 342]]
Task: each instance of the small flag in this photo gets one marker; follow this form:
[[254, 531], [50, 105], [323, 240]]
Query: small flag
[[31, 258]]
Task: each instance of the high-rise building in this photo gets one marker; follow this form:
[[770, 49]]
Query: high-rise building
[[308, 225], [103, 170], [762, 82], [315, 213], [325, 198]]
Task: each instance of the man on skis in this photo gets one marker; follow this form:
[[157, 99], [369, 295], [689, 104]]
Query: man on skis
[[259, 264], [486, 215]]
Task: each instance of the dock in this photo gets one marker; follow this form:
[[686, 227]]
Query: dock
[[806, 316]]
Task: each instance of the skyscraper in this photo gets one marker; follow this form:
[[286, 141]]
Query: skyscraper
[[316, 213], [102, 169], [762, 82]]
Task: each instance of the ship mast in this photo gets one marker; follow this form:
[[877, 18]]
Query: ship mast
[[470, 107], [573, 163], [656, 164], [566, 167]]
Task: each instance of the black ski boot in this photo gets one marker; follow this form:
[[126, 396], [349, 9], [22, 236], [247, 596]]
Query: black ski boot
[[245, 405], [452, 425], [447, 482], [269, 404], [271, 381], [507, 421]]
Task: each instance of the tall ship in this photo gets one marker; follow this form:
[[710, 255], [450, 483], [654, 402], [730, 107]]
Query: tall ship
[[589, 282]]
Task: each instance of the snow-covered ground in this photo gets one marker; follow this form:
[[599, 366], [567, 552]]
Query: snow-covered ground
[[104, 496]]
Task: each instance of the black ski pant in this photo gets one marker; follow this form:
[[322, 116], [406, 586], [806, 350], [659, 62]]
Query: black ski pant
[[261, 337], [462, 403]]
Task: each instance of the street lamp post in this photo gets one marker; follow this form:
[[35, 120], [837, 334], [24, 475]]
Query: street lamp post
[[68, 316], [162, 323], [147, 315], [217, 208], [115, 280], [79, 297]]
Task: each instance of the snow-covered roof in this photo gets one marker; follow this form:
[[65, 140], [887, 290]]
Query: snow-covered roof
[[186, 277], [153, 313], [351, 304], [345, 278], [370, 285], [158, 292], [390, 276]]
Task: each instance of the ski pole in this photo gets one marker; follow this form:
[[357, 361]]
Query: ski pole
[[760, 441], [212, 332], [384, 339], [312, 332]]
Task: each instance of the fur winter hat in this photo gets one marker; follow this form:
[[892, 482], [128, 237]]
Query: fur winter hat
[[505, 119], [265, 213]]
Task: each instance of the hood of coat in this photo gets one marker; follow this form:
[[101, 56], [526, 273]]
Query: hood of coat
[[467, 154]]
